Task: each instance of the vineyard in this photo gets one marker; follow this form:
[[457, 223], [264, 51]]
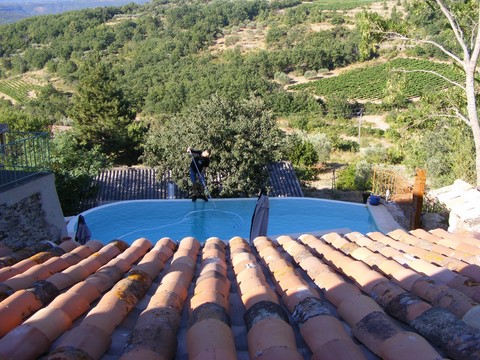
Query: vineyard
[[369, 83], [341, 5], [18, 89]]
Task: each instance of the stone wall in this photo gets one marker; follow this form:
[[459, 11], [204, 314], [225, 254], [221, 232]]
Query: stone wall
[[463, 202], [30, 212]]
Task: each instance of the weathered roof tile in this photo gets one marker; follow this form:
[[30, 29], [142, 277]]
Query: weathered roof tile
[[335, 296]]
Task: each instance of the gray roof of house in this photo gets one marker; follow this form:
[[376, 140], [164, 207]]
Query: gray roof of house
[[136, 183]]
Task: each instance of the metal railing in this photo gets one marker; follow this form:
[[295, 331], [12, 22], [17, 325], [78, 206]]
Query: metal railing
[[23, 154]]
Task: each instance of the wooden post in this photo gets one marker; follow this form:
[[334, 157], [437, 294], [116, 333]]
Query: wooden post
[[418, 191]]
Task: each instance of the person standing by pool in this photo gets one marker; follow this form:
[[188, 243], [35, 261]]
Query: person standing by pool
[[200, 160]]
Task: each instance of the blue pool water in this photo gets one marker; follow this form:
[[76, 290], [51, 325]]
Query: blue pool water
[[222, 218]]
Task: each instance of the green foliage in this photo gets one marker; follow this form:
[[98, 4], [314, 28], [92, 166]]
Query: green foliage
[[337, 19], [286, 103], [20, 120], [47, 29], [321, 144], [282, 78], [50, 106], [356, 176], [74, 167], [338, 106], [447, 153], [194, 79], [376, 154], [232, 40], [155, 61], [310, 74], [242, 135], [345, 145], [394, 93], [103, 116], [340, 5], [310, 50], [301, 151], [282, 4], [427, 21], [299, 122]]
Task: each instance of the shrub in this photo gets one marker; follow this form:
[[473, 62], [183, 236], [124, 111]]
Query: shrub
[[345, 145], [357, 176], [321, 144], [337, 20], [281, 78], [338, 106], [232, 40], [376, 154], [301, 152]]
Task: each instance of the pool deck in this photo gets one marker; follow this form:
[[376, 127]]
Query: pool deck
[[383, 218]]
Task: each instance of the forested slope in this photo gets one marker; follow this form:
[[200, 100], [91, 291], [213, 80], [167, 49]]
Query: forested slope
[[120, 74]]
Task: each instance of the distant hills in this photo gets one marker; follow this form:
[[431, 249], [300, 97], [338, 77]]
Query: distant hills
[[14, 10]]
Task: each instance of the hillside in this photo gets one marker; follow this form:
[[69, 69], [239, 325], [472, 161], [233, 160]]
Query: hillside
[[12, 11], [301, 58]]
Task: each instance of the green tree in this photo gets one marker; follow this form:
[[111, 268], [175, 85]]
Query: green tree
[[356, 176], [103, 116], [50, 105], [242, 135], [338, 106], [394, 93], [74, 167], [18, 119], [369, 38], [301, 151], [447, 153], [321, 144]]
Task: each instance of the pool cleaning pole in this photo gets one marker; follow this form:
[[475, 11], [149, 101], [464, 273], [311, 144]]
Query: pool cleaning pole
[[202, 180]]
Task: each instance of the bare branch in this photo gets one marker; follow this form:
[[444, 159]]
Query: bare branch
[[430, 42], [476, 47], [457, 115], [436, 74], [462, 117], [457, 30]]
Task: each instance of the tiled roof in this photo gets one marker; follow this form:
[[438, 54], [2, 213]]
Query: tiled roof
[[399, 295], [134, 183]]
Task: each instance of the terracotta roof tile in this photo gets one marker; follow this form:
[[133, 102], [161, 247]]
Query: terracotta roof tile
[[398, 295]]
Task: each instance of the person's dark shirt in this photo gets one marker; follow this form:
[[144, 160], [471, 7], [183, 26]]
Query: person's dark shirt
[[201, 161]]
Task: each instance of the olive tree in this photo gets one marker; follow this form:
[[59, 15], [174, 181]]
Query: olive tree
[[242, 135]]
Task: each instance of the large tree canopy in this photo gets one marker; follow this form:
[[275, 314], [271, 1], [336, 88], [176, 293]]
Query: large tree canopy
[[102, 114], [242, 135]]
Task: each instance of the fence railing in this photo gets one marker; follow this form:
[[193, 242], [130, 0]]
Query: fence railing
[[23, 155]]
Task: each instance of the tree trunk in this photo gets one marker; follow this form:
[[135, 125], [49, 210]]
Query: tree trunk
[[473, 115]]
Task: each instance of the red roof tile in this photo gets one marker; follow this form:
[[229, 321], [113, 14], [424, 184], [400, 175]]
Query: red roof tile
[[398, 295]]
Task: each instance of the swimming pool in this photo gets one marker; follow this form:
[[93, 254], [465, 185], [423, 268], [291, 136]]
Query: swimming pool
[[222, 218]]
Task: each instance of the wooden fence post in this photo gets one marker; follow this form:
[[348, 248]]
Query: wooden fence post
[[418, 192]]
